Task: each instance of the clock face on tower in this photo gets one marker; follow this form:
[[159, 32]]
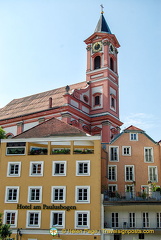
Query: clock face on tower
[[97, 47], [111, 49]]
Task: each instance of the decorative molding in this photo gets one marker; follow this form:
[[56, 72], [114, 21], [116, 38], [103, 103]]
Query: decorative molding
[[88, 48], [66, 115], [106, 123], [105, 43]]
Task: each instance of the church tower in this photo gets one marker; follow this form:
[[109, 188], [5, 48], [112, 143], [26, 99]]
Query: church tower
[[102, 77]]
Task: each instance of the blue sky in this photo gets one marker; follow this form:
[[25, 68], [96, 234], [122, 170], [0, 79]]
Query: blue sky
[[42, 47]]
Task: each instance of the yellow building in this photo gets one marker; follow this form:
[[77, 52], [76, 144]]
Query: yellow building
[[51, 183]]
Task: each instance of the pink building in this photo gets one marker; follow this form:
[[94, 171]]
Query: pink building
[[92, 105]]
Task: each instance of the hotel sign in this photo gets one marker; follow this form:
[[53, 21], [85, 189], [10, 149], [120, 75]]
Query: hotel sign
[[45, 207]]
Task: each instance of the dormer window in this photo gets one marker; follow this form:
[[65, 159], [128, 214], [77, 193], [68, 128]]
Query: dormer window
[[133, 137], [97, 62]]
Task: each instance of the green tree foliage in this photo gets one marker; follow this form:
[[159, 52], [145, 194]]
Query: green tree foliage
[[2, 133], [5, 231]]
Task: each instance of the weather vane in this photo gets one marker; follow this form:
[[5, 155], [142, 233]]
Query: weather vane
[[102, 7]]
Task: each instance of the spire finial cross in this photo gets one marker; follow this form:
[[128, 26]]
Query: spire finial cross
[[102, 7]]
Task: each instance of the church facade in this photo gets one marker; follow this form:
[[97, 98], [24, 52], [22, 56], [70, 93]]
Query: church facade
[[92, 105]]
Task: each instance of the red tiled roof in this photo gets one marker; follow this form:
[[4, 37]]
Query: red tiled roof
[[133, 128], [51, 127], [37, 102]]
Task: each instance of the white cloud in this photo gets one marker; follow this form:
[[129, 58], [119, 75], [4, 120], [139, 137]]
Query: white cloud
[[141, 120]]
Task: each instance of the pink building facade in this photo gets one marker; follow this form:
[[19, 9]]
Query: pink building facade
[[92, 105]]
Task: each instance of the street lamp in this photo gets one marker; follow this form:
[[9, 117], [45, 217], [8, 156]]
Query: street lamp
[[19, 233]]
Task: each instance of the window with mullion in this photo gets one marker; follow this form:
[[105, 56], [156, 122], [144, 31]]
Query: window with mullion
[[148, 154], [10, 217], [132, 220], [145, 219], [129, 173], [159, 220], [83, 168], [12, 194], [58, 194], [59, 168], [57, 219], [35, 194], [114, 154], [153, 174], [13, 169], [33, 219], [82, 219], [115, 222], [36, 168], [112, 173], [82, 194]]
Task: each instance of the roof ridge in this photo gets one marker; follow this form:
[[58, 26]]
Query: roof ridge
[[45, 92]]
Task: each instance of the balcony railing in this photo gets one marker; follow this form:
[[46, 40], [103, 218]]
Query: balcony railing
[[134, 223], [131, 196]]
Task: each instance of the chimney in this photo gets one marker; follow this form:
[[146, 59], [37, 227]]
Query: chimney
[[50, 102]]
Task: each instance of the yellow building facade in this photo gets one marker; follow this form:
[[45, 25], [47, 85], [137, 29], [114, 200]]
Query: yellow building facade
[[50, 187]]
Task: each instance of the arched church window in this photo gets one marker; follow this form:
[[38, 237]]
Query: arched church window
[[111, 64], [97, 62], [97, 100]]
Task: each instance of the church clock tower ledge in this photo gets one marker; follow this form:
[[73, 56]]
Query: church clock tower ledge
[[102, 74]]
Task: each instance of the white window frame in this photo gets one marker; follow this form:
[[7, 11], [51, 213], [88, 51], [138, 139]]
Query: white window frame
[[87, 226], [115, 219], [7, 154], [115, 168], [63, 219], [132, 219], [5, 216], [126, 147], [9, 169], [133, 173], [112, 185], [146, 223], [31, 174], [7, 194], [156, 173], [77, 168], [77, 188], [158, 217], [29, 194], [54, 167], [132, 138], [152, 155], [53, 191], [28, 218], [117, 147]]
